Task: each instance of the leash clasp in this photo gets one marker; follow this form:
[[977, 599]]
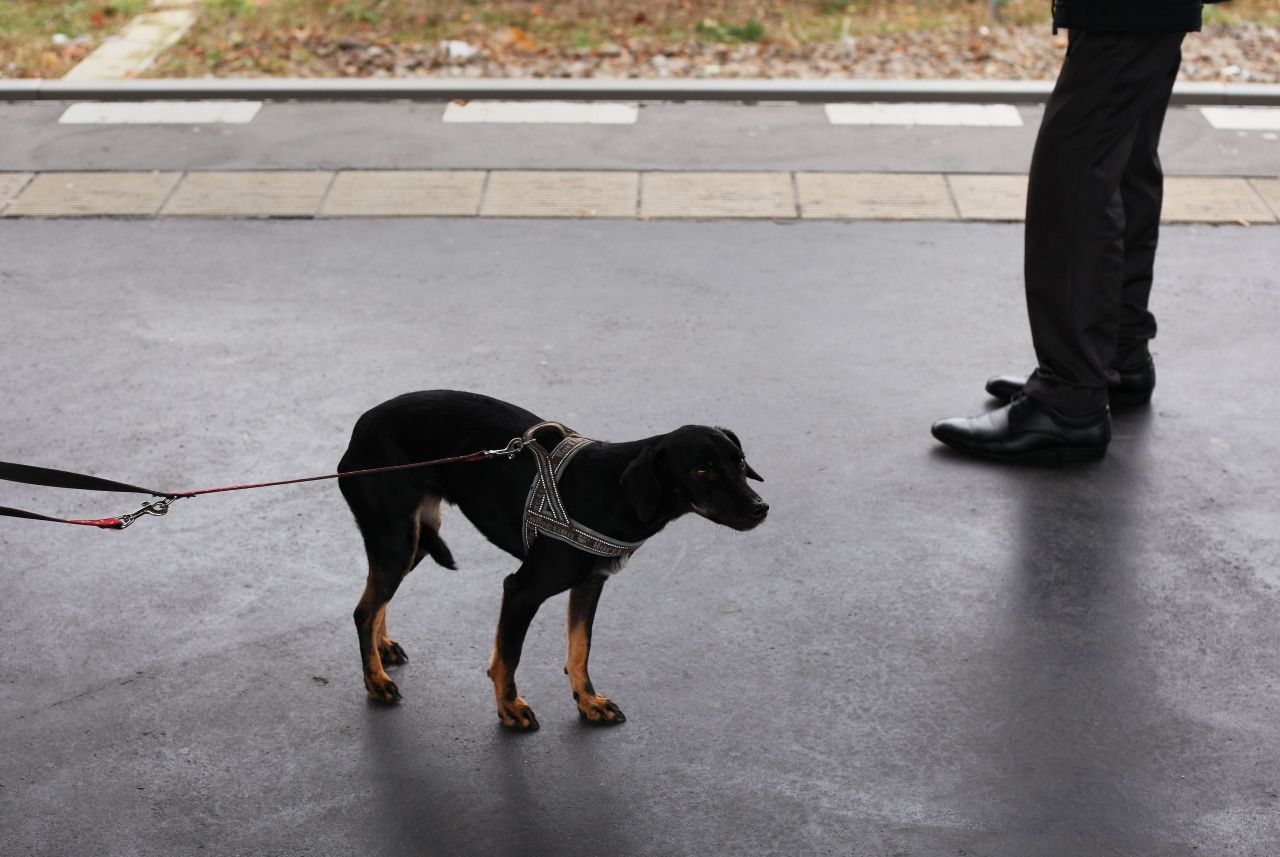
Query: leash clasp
[[511, 450], [155, 507]]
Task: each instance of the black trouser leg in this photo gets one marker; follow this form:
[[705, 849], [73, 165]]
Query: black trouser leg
[[1108, 103], [1142, 190]]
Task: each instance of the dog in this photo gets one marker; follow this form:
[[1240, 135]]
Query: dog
[[621, 492]]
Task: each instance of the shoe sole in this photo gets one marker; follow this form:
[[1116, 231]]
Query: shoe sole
[[1130, 400], [1063, 454]]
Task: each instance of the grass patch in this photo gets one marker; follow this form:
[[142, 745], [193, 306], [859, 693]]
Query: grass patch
[[236, 35], [299, 36], [711, 30], [39, 38]]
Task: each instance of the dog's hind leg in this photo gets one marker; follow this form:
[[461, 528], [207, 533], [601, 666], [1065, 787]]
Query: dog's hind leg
[[370, 614], [424, 528], [390, 549], [370, 618], [592, 707], [391, 653]]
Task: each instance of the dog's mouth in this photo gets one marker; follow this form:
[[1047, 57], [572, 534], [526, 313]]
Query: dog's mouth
[[739, 522]]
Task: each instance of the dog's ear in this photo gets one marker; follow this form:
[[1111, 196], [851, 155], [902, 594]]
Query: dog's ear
[[749, 472], [729, 434], [641, 484]]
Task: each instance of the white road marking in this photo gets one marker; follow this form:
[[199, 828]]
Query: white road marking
[[954, 115], [543, 112], [160, 112], [1243, 118]]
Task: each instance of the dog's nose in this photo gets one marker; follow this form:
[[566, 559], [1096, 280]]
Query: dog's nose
[[759, 510]]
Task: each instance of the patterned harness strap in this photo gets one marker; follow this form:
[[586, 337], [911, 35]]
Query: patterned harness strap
[[545, 512]]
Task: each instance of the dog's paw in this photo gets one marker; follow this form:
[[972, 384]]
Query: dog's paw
[[599, 710], [517, 715], [382, 689], [392, 654]]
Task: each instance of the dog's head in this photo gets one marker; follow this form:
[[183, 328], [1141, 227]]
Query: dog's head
[[700, 468]]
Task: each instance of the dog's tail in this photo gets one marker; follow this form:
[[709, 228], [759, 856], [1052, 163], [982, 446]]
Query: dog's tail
[[434, 547]]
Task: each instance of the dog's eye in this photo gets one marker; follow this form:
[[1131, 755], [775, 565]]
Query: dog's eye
[[702, 473]]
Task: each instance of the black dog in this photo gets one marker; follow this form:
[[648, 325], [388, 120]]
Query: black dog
[[626, 492]]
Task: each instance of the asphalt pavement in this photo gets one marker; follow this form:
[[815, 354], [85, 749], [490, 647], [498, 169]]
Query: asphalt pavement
[[666, 136], [917, 654]]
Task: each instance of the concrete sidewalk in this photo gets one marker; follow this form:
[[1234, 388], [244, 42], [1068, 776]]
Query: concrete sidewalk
[[585, 194]]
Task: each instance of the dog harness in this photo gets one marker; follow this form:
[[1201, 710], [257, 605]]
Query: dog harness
[[544, 510]]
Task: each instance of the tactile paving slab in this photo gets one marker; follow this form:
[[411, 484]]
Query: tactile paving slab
[[1269, 190], [567, 193], [1213, 200], [10, 184], [875, 196], [989, 197], [93, 194], [553, 193], [405, 193], [701, 194], [265, 193]]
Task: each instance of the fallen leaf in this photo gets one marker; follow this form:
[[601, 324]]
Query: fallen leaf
[[518, 37]]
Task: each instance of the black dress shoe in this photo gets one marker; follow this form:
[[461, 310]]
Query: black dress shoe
[[1134, 388], [1024, 429]]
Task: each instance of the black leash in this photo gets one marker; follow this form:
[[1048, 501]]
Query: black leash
[[51, 478]]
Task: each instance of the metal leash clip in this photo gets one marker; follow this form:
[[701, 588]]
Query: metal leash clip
[[155, 507], [511, 450]]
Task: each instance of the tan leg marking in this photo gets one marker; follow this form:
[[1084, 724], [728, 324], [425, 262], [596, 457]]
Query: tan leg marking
[[591, 705], [376, 681], [388, 649], [513, 711]]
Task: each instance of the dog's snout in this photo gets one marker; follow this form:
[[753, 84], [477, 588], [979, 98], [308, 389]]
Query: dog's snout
[[759, 510]]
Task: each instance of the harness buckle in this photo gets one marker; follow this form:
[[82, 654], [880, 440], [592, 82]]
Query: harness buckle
[[155, 507]]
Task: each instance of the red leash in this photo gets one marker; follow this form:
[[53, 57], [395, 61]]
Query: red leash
[[63, 479]]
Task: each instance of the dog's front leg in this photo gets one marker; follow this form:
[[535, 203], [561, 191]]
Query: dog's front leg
[[544, 573], [593, 707]]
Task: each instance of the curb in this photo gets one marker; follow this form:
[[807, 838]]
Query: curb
[[593, 89]]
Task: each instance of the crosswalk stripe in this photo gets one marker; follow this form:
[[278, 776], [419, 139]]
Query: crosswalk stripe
[[959, 115], [1243, 118], [543, 112], [160, 112]]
